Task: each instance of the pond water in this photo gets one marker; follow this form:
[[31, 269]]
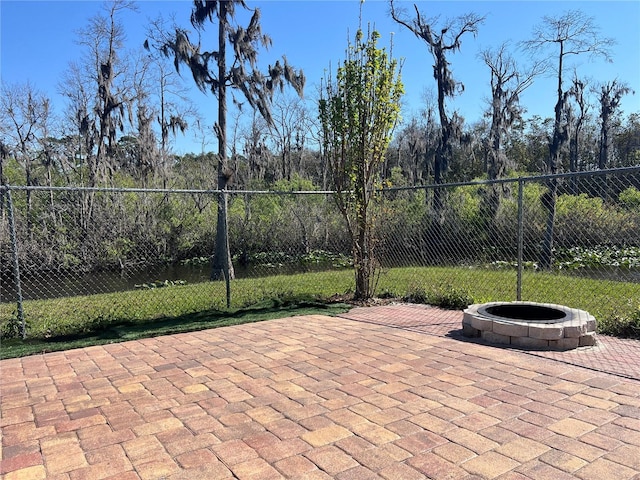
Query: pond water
[[53, 284]]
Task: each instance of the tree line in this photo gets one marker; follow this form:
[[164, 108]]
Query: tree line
[[125, 107]]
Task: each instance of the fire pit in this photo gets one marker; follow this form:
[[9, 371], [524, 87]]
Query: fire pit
[[530, 325]]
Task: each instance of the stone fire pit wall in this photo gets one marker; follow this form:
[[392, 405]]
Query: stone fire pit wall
[[575, 328]]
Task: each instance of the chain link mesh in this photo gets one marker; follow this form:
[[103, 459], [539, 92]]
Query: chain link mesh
[[140, 254]]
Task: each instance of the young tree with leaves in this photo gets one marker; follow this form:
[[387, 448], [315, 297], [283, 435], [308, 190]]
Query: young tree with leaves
[[358, 112], [572, 33], [213, 71]]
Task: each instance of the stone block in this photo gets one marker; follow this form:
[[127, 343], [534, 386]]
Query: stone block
[[548, 331], [496, 338], [469, 331], [480, 323], [588, 340], [567, 343], [575, 331], [510, 329], [528, 342]]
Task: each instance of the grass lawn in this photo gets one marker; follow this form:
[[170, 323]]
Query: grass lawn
[[123, 330], [73, 322]]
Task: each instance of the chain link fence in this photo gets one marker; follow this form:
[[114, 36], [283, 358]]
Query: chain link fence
[[553, 239], [106, 255]]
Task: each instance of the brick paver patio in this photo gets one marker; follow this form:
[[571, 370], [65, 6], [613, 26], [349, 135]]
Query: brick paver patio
[[382, 392]]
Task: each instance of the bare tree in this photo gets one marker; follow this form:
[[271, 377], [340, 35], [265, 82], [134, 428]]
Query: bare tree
[[576, 117], [175, 111], [508, 81], [254, 137], [410, 143], [441, 42], [212, 72], [24, 117], [316, 160], [104, 38], [137, 152], [627, 141], [611, 94], [80, 123], [99, 94], [416, 143], [4, 154], [572, 33], [287, 131], [81, 132]]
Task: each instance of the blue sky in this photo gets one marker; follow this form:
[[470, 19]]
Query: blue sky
[[38, 40]]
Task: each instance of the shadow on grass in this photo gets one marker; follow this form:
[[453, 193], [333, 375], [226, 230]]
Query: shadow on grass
[[100, 333]]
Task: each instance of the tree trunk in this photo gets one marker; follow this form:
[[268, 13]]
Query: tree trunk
[[222, 268], [546, 254], [574, 159], [442, 154], [555, 146], [29, 199], [362, 255], [603, 157], [496, 169]]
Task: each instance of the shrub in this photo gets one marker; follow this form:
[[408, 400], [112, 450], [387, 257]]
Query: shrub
[[630, 198], [623, 326], [11, 328], [591, 220], [451, 298], [448, 297], [416, 294]]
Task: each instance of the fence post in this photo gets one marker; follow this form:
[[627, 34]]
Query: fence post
[[16, 264], [520, 237], [227, 283]]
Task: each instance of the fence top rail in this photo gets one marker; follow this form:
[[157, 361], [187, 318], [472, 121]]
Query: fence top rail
[[533, 178], [45, 188]]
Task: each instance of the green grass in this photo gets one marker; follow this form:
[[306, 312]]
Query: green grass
[[123, 330], [72, 315], [73, 322]]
